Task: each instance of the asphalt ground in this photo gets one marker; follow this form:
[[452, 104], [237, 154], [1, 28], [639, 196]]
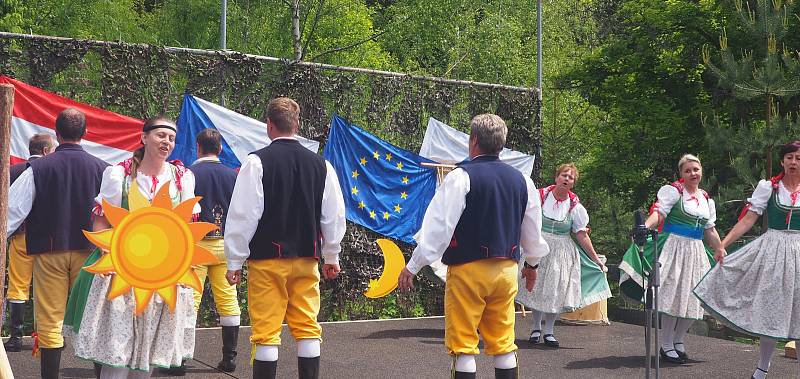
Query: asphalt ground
[[413, 348]]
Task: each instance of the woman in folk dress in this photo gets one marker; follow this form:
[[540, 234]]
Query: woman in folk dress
[[756, 290], [571, 276]]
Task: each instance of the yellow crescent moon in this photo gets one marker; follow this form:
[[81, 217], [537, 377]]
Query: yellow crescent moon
[[393, 263]]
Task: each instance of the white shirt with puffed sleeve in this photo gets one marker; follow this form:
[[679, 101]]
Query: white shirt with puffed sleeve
[[695, 205], [760, 198], [557, 210], [113, 177]]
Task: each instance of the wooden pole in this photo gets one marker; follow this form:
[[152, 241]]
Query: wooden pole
[[6, 106]]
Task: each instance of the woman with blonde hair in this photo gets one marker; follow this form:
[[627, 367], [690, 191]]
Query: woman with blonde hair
[[572, 275], [688, 215], [756, 290], [108, 332]]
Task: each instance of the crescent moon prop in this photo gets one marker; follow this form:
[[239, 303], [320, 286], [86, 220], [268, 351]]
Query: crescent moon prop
[[393, 263]]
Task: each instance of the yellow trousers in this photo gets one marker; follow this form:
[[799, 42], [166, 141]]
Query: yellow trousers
[[283, 288], [480, 295], [224, 294], [20, 269], [53, 275]]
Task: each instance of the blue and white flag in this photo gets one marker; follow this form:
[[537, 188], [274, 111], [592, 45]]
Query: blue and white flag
[[386, 189], [241, 135]]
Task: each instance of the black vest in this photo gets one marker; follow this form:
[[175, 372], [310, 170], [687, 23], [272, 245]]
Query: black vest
[[214, 182], [294, 181], [491, 222], [67, 182]]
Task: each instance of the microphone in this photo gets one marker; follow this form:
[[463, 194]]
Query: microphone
[[640, 231]]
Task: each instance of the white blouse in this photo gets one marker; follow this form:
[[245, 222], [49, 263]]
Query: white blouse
[[557, 210], [113, 176], [758, 202], [696, 205]]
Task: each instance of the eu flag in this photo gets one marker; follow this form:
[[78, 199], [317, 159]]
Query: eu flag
[[385, 188]]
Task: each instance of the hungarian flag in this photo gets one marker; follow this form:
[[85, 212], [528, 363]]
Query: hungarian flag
[[109, 136]]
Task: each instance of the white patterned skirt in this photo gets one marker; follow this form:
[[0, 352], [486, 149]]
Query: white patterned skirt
[[756, 289], [112, 335], [558, 283], [684, 262]]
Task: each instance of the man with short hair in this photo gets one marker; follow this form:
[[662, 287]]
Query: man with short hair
[[287, 211], [476, 222], [20, 265], [214, 183], [54, 196]]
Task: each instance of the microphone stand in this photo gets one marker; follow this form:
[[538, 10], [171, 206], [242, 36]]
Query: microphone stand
[[651, 304]]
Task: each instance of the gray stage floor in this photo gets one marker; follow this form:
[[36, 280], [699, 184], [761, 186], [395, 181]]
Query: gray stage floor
[[413, 348]]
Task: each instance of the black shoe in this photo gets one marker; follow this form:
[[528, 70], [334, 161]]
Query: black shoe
[[759, 369], [681, 354], [176, 371], [535, 339], [98, 368], [463, 375], [308, 368], [667, 358], [506, 373], [50, 362], [230, 337], [264, 369], [16, 312], [551, 343]]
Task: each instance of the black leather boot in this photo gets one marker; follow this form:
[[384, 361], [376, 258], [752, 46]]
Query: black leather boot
[[16, 311], [506, 373], [308, 368], [230, 337], [463, 375], [50, 362], [98, 368], [264, 369]]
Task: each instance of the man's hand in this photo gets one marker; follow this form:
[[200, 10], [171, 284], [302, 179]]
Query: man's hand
[[406, 280], [234, 276], [719, 255], [530, 278], [330, 271]]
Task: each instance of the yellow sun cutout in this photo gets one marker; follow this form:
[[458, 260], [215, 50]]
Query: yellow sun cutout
[[151, 249]]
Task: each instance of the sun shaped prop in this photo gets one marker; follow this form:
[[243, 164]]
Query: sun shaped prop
[[151, 249]]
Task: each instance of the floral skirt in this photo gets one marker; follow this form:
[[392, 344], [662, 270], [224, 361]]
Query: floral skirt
[[756, 289]]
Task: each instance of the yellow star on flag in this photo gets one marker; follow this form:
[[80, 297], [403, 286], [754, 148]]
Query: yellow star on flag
[[385, 215], [361, 205], [399, 165], [363, 161], [354, 191], [376, 155], [403, 195], [397, 208], [355, 174], [389, 156], [372, 214], [405, 180]]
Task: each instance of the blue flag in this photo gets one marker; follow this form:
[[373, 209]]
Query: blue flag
[[385, 188]]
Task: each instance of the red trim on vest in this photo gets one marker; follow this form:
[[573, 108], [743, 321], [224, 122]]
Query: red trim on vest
[[280, 249], [573, 198], [744, 211]]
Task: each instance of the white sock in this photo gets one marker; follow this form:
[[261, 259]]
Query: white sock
[[681, 328], [667, 334], [465, 363], [549, 322], [765, 348], [16, 301], [109, 372], [536, 318], [266, 353], [229, 320], [308, 348], [505, 361]]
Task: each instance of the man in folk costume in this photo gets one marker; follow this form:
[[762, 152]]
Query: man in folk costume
[[52, 196], [20, 265], [287, 211], [214, 183], [476, 222]]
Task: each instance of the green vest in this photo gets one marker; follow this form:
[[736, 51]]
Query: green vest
[[782, 217], [680, 222], [561, 227]]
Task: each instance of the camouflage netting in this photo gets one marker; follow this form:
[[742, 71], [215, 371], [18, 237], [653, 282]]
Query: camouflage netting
[[141, 81]]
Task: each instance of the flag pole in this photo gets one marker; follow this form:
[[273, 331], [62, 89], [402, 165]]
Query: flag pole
[[6, 107]]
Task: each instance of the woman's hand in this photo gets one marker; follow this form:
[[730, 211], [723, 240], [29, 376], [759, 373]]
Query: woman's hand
[[719, 255]]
